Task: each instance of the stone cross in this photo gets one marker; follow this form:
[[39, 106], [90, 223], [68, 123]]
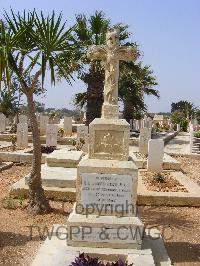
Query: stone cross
[[2, 122], [22, 135], [111, 53]]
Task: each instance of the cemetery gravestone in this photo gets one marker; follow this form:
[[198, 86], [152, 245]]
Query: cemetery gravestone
[[106, 179], [155, 155], [145, 136], [51, 135], [171, 127], [82, 133], [22, 135], [44, 120], [68, 125], [178, 127], [23, 119], [2, 123]]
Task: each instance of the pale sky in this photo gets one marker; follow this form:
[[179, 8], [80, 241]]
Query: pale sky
[[168, 33]]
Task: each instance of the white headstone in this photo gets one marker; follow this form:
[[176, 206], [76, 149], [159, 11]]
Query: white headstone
[[178, 127], [82, 133], [23, 119], [155, 155], [2, 122], [171, 127], [51, 135], [68, 125], [44, 120], [22, 135], [145, 136]]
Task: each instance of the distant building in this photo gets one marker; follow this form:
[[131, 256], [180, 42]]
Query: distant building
[[158, 118]]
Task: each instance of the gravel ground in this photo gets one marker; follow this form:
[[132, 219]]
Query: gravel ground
[[180, 227], [191, 167]]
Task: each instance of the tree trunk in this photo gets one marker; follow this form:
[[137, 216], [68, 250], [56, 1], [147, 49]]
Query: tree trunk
[[94, 96], [38, 203], [128, 111]]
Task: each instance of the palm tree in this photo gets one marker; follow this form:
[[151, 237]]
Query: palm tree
[[187, 108], [29, 43], [92, 31], [135, 81], [8, 103]]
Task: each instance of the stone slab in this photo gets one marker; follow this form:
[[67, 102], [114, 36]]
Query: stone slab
[[190, 198], [169, 163], [144, 197], [64, 158], [18, 157], [108, 172], [58, 177], [55, 251], [61, 140], [20, 189], [105, 231], [5, 165]]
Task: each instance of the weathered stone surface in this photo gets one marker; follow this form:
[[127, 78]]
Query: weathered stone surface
[[82, 133], [23, 119], [109, 139], [22, 135], [51, 135], [118, 230], [111, 53], [68, 125], [155, 155], [110, 171], [58, 177], [64, 158], [55, 251], [44, 120], [145, 136], [169, 163]]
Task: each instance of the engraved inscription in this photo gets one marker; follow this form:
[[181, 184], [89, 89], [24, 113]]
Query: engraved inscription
[[109, 142], [108, 190]]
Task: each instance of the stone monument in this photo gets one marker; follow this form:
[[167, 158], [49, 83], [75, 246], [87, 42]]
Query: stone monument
[[106, 179], [68, 125], [44, 120], [155, 155], [51, 135], [22, 135], [23, 119], [145, 136]]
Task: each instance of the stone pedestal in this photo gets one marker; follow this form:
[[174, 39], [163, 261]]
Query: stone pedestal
[[109, 139], [104, 231], [110, 111], [106, 191]]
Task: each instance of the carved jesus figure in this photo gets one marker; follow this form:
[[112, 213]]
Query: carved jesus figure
[[111, 53]]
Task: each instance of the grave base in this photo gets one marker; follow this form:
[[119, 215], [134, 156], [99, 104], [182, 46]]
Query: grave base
[[104, 231], [56, 252]]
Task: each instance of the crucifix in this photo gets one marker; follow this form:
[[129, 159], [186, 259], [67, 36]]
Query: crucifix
[[111, 54]]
